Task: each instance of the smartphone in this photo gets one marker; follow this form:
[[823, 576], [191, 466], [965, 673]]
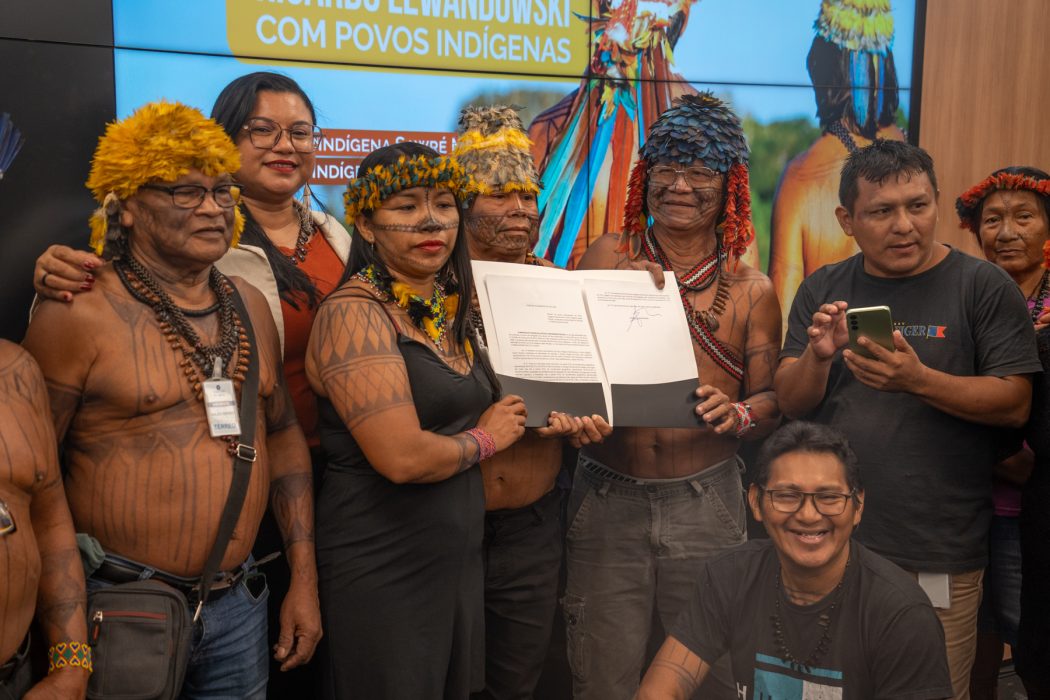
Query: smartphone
[[872, 322]]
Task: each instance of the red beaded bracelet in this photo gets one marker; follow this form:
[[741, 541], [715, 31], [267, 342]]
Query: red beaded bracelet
[[486, 443], [745, 418]]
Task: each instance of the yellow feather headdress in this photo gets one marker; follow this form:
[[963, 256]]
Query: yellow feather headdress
[[160, 142]]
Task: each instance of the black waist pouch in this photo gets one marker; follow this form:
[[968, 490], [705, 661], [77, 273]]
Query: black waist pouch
[[140, 636]]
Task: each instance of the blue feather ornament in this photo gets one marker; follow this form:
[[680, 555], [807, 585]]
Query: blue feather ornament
[[11, 141]]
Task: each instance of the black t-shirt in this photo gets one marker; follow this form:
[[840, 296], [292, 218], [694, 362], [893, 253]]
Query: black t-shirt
[[886, 640], [928, 475]]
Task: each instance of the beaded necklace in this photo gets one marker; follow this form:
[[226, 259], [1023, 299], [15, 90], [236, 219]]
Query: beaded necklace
[[197, 359], [1039, 297], [704, 323], [839, 131], [824, 621], [429, 315], [306, 229]]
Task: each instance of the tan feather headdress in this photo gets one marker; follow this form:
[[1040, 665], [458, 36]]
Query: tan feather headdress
[[493, 149]]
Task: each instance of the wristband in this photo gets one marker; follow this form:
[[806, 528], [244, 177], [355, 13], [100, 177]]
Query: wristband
[[486, 443], [63, 654], [745, 418]]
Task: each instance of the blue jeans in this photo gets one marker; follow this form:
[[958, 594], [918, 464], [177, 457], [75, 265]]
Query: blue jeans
[[634, 549], [1000, 610], [228, 654]]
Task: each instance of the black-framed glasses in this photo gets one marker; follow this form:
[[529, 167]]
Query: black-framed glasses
[[695, 176], [7, 521], [791, 500], [192, 196], [266, 133]]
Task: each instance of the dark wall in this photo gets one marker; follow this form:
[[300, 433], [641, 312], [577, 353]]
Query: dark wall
[[56, 81]]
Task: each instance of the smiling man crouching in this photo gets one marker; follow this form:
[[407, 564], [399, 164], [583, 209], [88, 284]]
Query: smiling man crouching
[[808, 612]]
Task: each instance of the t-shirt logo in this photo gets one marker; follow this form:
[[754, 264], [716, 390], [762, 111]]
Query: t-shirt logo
[[935, 331], [776, 679], [923, 331]]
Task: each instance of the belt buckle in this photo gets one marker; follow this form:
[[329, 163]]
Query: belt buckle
[[245, 452]]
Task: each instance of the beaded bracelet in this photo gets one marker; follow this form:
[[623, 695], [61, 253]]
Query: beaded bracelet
[[745, 418], [486, 443], [65, 654]]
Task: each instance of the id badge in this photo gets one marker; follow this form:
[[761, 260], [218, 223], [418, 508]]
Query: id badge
[[938, 588], [220, 403]]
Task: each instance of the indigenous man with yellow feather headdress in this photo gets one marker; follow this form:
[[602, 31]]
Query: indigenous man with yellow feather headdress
[[523, 524], [147, 469]]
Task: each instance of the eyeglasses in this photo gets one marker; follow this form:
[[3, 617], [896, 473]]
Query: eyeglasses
[[192, 196], [7, 521], [695, 177], [826, 502], [266, 133]]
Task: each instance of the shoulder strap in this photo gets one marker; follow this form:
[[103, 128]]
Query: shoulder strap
[[242, 458]]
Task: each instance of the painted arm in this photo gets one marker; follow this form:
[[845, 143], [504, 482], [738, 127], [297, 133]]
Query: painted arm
[[354, 361], [674, 674]]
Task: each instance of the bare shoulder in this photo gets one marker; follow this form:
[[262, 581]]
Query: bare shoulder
[[253, 299], [20, 373], [604, 254], [742, 272], [71, 333]]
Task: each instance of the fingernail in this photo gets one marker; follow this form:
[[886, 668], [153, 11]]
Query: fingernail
[[87, 285], [67, 296], [90, 264], [89, 278]]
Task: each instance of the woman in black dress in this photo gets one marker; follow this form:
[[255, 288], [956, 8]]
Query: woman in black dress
[[407, 409]]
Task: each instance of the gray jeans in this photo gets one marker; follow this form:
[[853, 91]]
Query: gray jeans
[[634, 548]]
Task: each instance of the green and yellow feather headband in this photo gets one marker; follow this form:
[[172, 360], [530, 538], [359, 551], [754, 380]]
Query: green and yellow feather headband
[[366, 192]]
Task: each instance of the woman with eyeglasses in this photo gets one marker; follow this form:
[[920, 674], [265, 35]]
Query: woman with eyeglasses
[[295, 256]]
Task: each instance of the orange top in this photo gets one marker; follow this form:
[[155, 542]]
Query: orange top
[[325, 268]]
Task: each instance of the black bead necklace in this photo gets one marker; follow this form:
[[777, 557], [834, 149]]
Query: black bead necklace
[[1040, 295], [824, 621], [143, 286]]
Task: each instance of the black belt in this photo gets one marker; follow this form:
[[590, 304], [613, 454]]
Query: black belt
[[11, 666], [119, 572]]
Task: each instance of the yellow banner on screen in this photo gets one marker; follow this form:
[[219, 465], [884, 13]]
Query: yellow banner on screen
[[539, 37]]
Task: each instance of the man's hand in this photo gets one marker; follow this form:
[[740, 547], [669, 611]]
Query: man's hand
[[593, 431], [559, 425], [300, 626], [654, 270], [64, 684], [889, 371], [716, 409], [827, 333]]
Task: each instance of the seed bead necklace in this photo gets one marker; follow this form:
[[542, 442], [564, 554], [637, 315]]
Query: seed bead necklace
[[428, 315], [824, 621], [306, 230], [197, 359]]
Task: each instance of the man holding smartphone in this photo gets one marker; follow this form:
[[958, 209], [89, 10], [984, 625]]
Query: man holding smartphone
[[923, 420]]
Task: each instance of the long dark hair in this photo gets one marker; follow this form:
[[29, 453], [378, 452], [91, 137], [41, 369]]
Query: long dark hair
[[834, 83], [456, 275], [232, 108]]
